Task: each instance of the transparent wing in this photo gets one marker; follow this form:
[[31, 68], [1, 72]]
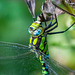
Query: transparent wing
[[13, 50], [55, 68], [17, 59]]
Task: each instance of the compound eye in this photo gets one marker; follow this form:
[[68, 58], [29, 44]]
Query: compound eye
[[37, 32], [30, 30]]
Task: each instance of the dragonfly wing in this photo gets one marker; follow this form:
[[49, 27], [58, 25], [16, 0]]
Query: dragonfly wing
[[17, 59], [13, 51], [15, 45], [57, 69]]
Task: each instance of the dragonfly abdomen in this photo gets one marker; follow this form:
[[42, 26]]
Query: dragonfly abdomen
[[44, 66]]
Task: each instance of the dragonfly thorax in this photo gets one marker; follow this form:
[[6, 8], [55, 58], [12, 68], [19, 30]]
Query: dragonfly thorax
[[36, 29]]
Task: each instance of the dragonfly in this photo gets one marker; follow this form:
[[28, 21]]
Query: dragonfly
[[37, 49]]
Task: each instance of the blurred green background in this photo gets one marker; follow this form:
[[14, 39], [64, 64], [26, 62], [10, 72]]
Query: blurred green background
[[15, 19]]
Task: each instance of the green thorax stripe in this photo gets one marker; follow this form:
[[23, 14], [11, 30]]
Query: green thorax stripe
[[40, 43], [43, 45]]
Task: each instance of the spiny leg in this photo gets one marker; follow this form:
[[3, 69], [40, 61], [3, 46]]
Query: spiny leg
[[49, 24], [55, 21], [45, 24], [61, 31], [38, 15], [53, 25]]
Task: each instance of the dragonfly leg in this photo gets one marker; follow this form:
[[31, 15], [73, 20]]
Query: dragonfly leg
[[61, 31], [47, 27], [55, 24]]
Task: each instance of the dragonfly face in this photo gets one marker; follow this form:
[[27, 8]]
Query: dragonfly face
[[36, 29]]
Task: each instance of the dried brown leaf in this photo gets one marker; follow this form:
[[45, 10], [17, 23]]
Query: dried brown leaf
[[48, 9], [31, 6], [71, 3]]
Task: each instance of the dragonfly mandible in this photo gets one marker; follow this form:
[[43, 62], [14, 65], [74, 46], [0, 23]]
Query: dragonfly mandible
[[38, 48]]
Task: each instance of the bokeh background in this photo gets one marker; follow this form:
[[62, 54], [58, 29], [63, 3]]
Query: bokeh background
[[15, 19]]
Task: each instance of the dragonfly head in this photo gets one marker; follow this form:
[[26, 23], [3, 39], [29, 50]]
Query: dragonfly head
[[36, 29]]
